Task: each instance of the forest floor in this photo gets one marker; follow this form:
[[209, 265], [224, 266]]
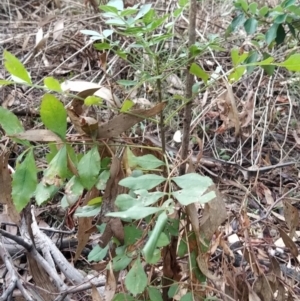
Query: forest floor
[[257, 171]]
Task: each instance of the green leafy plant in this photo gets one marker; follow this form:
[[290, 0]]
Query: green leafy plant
[[151, 191]]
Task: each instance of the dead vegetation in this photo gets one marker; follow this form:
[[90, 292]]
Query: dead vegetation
[[246, 138]]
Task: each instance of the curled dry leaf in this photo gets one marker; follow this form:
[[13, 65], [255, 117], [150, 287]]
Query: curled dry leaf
[[289, 243], [247, 113], [58, 30], [85, 89], [38, 136], [291, 216], [85, 223], [5, 189], [125, 121]]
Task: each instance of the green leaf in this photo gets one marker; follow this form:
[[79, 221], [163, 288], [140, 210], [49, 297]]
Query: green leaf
[[292, 63], [280, 19], [163, 240], [15, 67], [95, 201], [4, 82], [280, 37], [88, 211], [123, 297], [195, 195], [199, 72], [136, 278], [89, 167], [24, 182], [128, 12], [57, 169], [146, 162], [192, 180], [237, 73], [10, 122], [252, 8], [54, 115], [238, 21], [154, 294], [287, 3], [127, 82], [93, 100], [97, 253], [151, 244], [243, 4], [271, 33], [45, 192], [296, 10], [127, 105], [147, 182], [252, 58], [173, 290], [263, 11], [182, 248], [102, 46], [121, 262], [52, 84], [73, 190], [137, 212], [131, 235], [156, 257], [102, 179], [251, 25], [109, 9], [143, 199], [235, 56], [187, 297], [143, 11]]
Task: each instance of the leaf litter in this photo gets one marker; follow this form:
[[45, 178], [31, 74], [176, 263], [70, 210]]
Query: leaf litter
[[247, 126]]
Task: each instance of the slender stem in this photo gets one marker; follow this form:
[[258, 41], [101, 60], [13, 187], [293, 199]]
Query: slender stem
[[189, 87], [160, 99]]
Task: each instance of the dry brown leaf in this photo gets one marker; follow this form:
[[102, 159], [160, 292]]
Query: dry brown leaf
[[85, 223], [296, 137], [125, 121], [80, 86], [246, 115], [252, 295], [89, 125], [214, 214], [103, 60], [5, 189], [291, 216], [233, 117], [252, 260], [289, 243], [262, 288], [38, 136], [95, 294], [58, 30], [111, 284], [202, 260], [9, 99]]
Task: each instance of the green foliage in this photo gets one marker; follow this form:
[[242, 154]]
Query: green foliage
[[52, 84], [150, 198], [54, 115], [10, 122], [16, 68], [89, 168], [24, 181], [136, 279]]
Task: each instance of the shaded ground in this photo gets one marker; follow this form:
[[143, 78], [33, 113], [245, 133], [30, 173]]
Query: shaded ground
[[247, 166]]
